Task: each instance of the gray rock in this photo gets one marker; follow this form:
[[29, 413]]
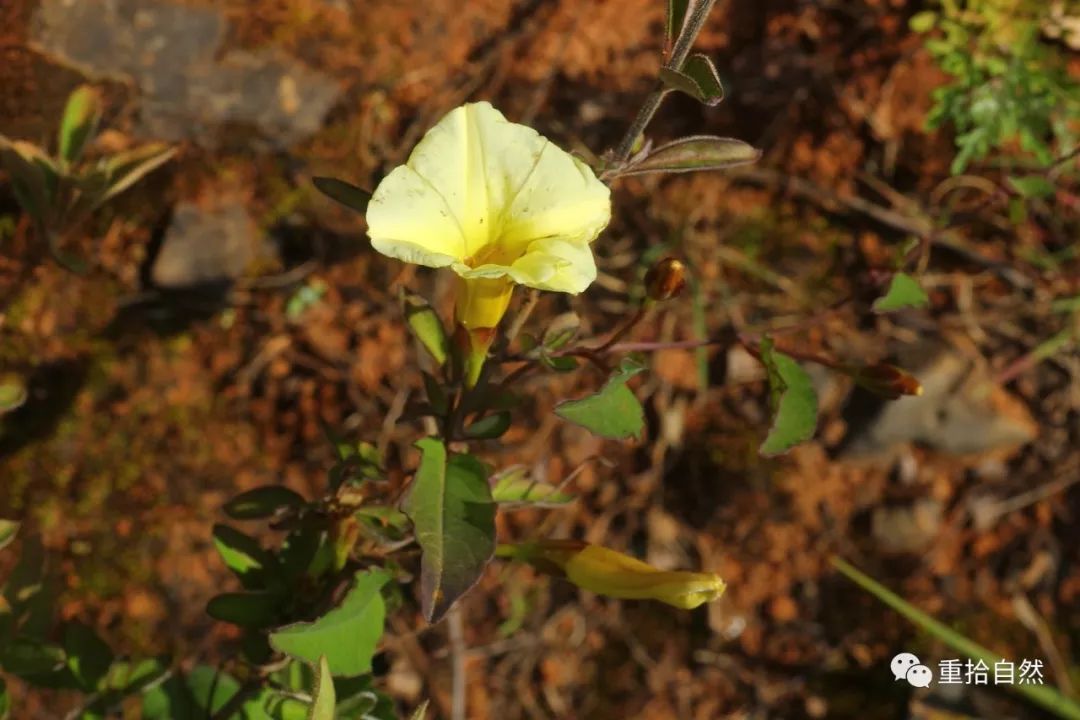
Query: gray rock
[[205, 247], [907, 529], [169, 52]]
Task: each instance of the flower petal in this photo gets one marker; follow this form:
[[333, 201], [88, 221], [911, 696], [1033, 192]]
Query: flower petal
[[556, 264], [479, 185]]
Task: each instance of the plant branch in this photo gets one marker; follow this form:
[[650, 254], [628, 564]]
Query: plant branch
[[675, 61]]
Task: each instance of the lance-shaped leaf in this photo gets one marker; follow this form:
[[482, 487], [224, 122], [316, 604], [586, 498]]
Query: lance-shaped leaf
[[697, 152], [88, 656], [676, 18], [489, 427], [126, 168], [32, 174], [345, 193], [794, 402], [426, 326], [8, 530], [903, 292], [323, 699], [79, 122], [614, 412], [697, 78], [347, 635], [246, 609], [262, 502], [453, 517], [513, 486]]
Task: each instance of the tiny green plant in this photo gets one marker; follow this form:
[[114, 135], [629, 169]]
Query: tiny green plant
[[59, 190], [1009, 84]]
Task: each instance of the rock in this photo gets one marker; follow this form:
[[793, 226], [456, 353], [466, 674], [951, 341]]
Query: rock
[[960, 412], [169, 51], [205, 247], [909, 528]]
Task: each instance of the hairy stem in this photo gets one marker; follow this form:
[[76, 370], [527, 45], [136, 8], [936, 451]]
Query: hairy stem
[[675, 61]]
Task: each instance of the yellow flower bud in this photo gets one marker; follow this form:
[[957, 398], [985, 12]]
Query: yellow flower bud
[[607, 572]]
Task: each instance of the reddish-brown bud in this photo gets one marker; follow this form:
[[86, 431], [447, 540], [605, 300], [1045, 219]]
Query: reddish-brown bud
[[886, 380], [665, 279]]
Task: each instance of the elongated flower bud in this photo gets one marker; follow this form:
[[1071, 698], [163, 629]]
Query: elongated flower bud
[[607, 572]]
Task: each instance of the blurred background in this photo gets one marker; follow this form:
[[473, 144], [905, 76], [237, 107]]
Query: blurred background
[[228, 312]]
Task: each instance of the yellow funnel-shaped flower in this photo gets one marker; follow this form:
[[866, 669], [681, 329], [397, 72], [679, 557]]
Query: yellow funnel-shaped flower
[[498, 204], [607, 572]]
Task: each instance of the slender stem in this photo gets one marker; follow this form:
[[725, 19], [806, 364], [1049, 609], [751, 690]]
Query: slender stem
[[456, 630], [675, 61]]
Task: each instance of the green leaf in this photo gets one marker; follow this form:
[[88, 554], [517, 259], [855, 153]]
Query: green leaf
[[132, 677], [79, 122], [676, 17], [243, 555], [794, 402], [489, 427], [170, 700], [426, 326], [28, 170], [88, 656], [697, 78], [453, 515], [323, 699], [421, 712], [561, 331], [514, 486], [126, 168], [1033, 186], [25, 656], [696, 152], [245, 609], [262, 502], [387, 523], [345, 193], [347, 635], [12, 393], [8, 530], [1044, 696], [924, 21], [5, 701], [614, 412], [903, 292]]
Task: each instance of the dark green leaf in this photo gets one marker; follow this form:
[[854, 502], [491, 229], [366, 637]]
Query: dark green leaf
[[26, 167], [385, 523], [345, 193], [697, 78], [243, 555], [79, 122], [903, 292], [323, 699], [614, 412], [514, 486], [453, 515], [436, 394], [347, 635], [794, 402], [676, 17], [171, 700], [262, 502], [88, 657], [1033, 186], [489, 427], [245, 609], [697, 152], [426, 326], [25, 656], [560, 363]]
